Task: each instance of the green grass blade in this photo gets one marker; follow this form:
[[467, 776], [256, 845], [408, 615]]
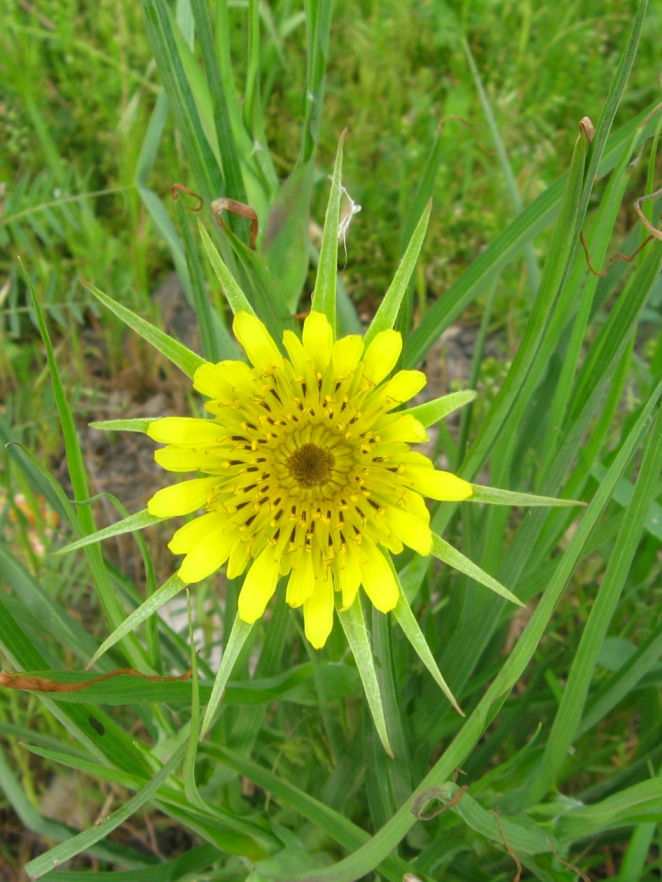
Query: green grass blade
[[137, 521], [611, 105], [318, 27], [153, 603], [324, 295], [390, 305], [118, 748], [159, 24], [43, 609], [629, 805], [77, 473], [561, 248], [234, 182], [397, 776], [84, 840], [286, 244], [634, 860], [504, 162], [234, 295], [572, 703], [535, 218], [353, 624], [186, 360], [238, 636], [455, 559], [622, 682], [191, 862], [54, 830], [334, 824], [205, 313]]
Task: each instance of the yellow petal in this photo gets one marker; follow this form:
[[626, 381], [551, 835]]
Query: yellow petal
[[179, 459], [238, 559], [404, 385], [318, 340], [437, 485], [381, 356], [405, 428], [181, 499], [412, 531], [302, 581], [296, 352], [207, 556], [222, 381], [346, 354], [349, 570], [257, 341], [318, 612], [258, 587], [415, 504], [378, 580], [188, 536], [186, 431]]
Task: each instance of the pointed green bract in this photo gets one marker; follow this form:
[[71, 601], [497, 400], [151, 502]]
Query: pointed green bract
[[324, 296], [494, 496], [432, 411], [137, 521], [233, 293], [412, 631], [185, 359], [353, 624], [388, 309], [173, 586], [455, 559], [137, 425], [238, 636]]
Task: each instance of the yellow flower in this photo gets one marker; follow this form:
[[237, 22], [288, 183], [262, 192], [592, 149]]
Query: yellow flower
[[309, 472]]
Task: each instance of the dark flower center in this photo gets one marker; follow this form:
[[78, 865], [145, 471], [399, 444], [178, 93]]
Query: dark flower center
[[310, 465]]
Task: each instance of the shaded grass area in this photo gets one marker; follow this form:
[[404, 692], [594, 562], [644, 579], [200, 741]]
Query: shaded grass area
[[80, 88]]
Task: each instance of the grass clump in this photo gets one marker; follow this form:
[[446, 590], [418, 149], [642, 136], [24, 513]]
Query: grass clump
[[554, 768]]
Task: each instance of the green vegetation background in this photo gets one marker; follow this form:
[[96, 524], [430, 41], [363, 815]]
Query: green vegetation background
[[78, 89]]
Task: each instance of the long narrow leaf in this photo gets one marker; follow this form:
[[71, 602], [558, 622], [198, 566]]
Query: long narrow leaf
[[238, 636], [137, 521], [180, 355], [390, 305], [233, 293], [455, 559], [153, 603], [324, 296], [353, 624]]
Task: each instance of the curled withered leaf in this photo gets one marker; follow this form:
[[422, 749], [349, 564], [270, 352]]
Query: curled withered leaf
[[508, 848], [430, 793], [176, 189], [218, 206], [657, 234], [625, 257], [587, 128], [43, 684]]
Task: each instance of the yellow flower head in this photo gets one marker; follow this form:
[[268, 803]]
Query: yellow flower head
[[309, 472]]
